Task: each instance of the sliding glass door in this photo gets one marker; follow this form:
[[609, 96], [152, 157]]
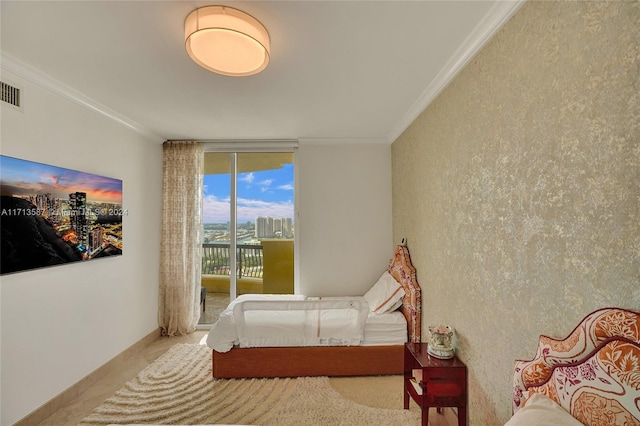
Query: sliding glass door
[[249, 228]]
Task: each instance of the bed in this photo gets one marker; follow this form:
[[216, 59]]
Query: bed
[[348, 358], [592, 377]]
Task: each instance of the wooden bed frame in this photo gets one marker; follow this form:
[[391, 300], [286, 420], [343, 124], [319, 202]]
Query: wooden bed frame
[[594, 373], [332, 360]]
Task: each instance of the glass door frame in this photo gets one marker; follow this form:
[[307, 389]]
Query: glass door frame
[[249, 146]]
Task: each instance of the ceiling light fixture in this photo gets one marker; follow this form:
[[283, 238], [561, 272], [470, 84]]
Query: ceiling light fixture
[[226, 41]]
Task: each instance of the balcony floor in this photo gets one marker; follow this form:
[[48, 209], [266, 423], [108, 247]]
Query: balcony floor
[[215, 304]]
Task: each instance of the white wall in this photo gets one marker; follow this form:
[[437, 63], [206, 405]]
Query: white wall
[[61, 323], [344, 216]]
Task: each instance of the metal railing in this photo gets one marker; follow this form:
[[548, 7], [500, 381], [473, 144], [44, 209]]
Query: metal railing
[[249, 260]]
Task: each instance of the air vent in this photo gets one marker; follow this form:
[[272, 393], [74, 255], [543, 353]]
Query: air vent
[[10, 94]]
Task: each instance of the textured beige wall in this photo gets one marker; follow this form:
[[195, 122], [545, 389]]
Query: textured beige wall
[[518, 188]]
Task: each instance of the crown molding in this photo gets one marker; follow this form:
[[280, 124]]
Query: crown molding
[[499, 14], [30, 74], [343, 141], [249, 145]]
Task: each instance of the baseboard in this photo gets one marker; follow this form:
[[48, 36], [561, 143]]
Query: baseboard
[[65, 397]]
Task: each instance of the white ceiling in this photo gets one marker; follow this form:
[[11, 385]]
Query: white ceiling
[[338, 70]]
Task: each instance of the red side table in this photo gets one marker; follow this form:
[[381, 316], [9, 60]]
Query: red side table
[[434, 382]]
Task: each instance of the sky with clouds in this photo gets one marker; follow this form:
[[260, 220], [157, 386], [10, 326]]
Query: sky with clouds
[[263, 193], [23, 178]]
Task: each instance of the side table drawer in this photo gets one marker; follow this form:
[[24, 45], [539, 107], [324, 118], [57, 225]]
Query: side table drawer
[[444, 386]]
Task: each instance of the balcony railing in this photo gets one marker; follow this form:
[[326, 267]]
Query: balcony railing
[[216, 260]]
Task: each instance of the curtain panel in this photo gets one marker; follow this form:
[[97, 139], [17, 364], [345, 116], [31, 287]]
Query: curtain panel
[[181, 244]]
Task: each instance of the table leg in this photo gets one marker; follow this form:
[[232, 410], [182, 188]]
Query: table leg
[[462, 416], [425, 416]]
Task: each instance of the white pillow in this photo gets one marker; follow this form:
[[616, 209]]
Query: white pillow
[[385, 295], [540, 410]]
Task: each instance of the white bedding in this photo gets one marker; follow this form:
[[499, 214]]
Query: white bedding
[[295, 320], [385, 329]]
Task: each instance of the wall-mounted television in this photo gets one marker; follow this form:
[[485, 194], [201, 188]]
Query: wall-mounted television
[[52, 216]]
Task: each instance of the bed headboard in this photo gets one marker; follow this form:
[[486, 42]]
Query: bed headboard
[[402, 270], [594, 373]]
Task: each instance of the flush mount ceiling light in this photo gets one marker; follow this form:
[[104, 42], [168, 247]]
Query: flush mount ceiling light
[[226, 41]]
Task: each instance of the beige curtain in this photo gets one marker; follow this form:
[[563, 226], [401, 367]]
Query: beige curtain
[[181, 245]]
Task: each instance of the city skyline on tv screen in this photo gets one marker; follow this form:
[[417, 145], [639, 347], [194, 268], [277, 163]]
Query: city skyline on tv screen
[[51, 215]]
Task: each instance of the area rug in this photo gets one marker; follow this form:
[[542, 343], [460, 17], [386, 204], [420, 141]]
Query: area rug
[[178, 389]]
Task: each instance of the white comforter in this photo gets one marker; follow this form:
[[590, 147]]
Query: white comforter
[[259, 320]]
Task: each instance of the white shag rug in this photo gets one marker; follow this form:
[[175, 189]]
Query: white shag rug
[[178, 389]]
